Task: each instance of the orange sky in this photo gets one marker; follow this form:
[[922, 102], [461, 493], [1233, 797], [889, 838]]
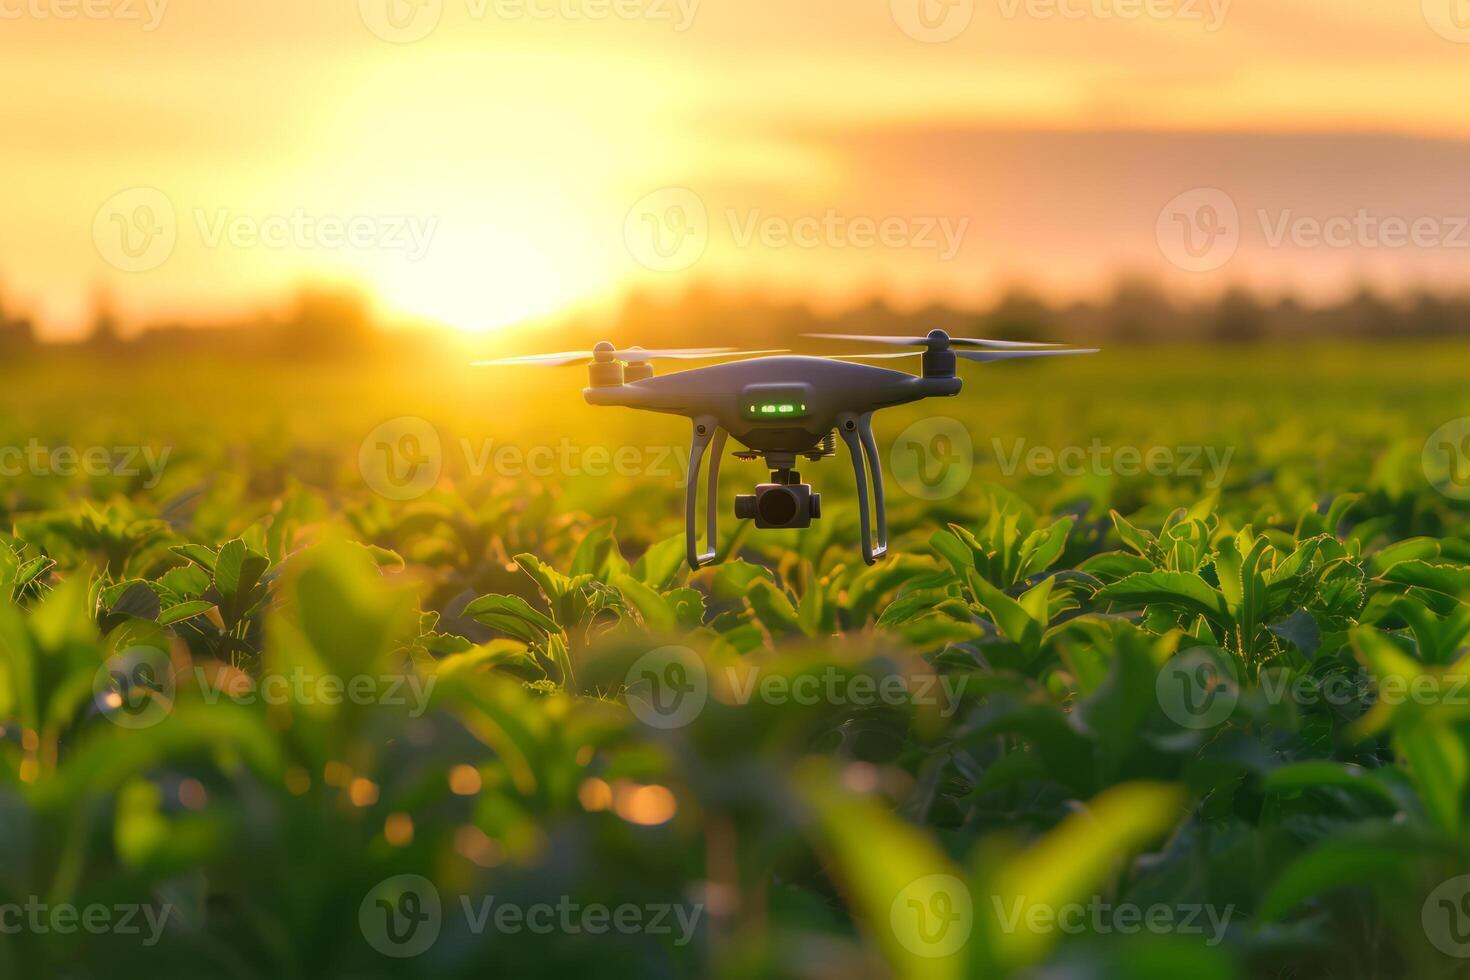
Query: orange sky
[[479, 161]]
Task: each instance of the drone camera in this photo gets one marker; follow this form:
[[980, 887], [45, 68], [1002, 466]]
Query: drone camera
[[784, 503]]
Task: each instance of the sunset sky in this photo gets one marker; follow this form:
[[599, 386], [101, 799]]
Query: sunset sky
[[476, 162]]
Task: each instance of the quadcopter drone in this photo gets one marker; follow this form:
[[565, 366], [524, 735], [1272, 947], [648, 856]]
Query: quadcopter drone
[[781, 408]]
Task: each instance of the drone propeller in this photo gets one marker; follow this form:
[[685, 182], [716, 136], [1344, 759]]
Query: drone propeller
[[940, 342], [975, 355], [634, 355], [1010, 355]]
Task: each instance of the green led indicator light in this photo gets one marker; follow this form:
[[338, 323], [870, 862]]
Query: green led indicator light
[[778, 408]]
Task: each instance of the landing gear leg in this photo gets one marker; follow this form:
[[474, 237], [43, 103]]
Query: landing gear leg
[[857, 433], [707, 435]]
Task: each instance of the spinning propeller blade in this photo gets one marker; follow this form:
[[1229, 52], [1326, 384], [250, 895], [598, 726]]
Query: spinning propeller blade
[[633, 355], [954, 342], [1008, 355], [873, 357]]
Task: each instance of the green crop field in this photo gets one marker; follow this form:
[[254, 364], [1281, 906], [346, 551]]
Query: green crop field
[[396, 670]]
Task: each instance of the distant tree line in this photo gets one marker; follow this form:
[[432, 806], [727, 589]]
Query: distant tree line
[[1136, 310], [324, 322]]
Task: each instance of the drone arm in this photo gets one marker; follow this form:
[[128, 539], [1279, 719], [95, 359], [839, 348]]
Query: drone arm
[[857, 432], [705, 430]]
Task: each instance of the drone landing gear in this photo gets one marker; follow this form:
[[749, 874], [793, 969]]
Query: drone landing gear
[[857, 432], [705, 431]]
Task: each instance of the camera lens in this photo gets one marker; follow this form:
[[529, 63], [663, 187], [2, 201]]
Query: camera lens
[[777, 506]]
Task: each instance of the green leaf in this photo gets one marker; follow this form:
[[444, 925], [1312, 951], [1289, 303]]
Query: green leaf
[[952, 550], [1182, 590], [812, 607], [688, 605], [184, 610], [1437, 762], [1070, 862], [508, 654], [236, 572], [734, 578], [658, 615], [661, 562], [1012, 618], [198, 554], [1418, 549], [1115, 565], [1316, 774], [1043, 546], [888, 872], [510, 614], [1451, 580], [31, 570], [1344, 861], [1136, 538], [773, 608], [597, 555]]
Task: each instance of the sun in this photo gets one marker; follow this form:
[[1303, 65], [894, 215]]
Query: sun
[[484, 274]]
